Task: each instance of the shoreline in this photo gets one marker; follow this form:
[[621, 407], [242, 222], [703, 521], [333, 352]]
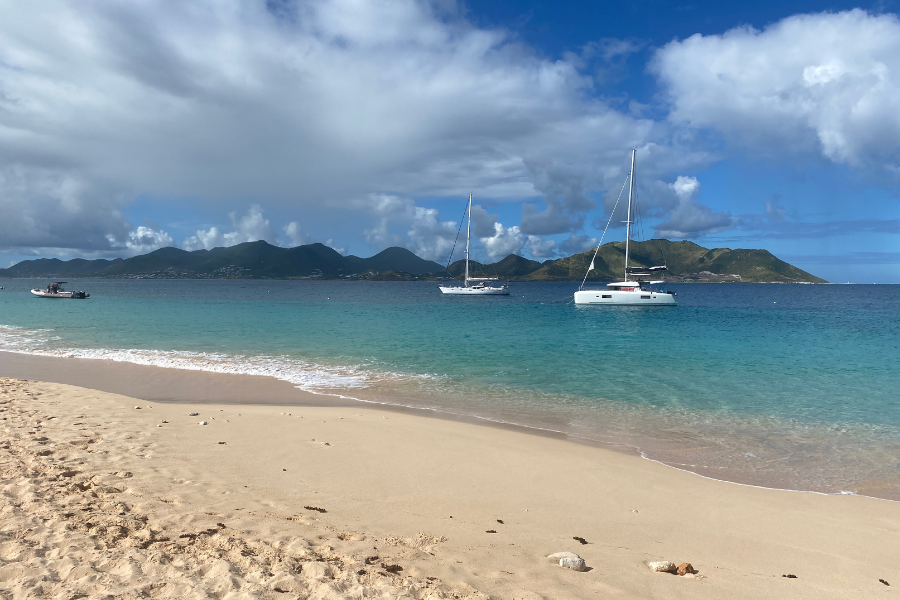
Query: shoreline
[[184, 386], [422, 494]]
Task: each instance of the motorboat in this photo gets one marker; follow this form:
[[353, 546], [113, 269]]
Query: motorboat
[[473, 286], [634, 290], [55, 290]]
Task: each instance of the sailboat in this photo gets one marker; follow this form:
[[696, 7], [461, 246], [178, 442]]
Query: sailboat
[[633, 290], [474, 286]]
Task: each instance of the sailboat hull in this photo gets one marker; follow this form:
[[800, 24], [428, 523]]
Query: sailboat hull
[[475, 291], [622, 298]]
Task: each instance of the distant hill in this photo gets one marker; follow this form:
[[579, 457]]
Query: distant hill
[[686, 261], [249, 260], [396, 259], [77, 267], [512, 266]]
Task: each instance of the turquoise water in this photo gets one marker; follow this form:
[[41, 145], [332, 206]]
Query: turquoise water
[[782, 385]]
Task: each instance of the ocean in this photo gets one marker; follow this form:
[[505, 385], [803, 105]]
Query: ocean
[[787, 386]]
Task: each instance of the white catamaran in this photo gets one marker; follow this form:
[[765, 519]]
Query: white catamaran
[[630, 291], [474, 286]]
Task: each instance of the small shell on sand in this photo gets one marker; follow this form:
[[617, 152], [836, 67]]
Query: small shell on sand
[[662, 566], [576, 564], [561, 555], [204, 423], [193, 414], [158, 425], [137, 408]]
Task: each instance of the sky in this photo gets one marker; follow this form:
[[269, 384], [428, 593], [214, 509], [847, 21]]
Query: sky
[[126, 127]]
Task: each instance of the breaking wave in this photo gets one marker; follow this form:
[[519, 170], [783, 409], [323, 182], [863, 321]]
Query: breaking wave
[[304, 374]]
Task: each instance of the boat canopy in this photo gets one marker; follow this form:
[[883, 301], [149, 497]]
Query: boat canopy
[[484, 279]]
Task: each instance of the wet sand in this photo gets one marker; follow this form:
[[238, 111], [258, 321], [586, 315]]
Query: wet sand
[[158, 384]]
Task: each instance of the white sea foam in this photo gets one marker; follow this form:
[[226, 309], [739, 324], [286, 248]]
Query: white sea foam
[[304, 374], [14, 338]]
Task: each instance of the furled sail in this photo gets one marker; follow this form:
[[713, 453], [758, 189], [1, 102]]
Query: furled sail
[[645, 270]]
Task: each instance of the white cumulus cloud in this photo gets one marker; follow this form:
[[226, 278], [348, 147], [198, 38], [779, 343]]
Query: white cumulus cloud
[[400, 222], [144, 239], [826, 84], [540, 247], [690, 219], [430, 238], [251, 227], [296, 235], [206, 239], [505, 241]]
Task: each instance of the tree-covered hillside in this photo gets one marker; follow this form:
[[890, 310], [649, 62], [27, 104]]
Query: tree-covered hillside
[[685, 261]]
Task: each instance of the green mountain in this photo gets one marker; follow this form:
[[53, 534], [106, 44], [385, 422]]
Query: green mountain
[[260, 260], [249, 260], [685, 261], [396, 259], [513, 266], [77, 267]]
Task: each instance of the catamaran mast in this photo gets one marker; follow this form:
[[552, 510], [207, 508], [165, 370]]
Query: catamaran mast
[[468, 229], [627, 218]]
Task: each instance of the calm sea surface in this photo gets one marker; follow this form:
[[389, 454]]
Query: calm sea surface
[[791, 386]]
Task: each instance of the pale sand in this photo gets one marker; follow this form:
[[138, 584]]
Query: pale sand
[[100, 502]]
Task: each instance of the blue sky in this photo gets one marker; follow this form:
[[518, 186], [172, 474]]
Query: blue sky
[[365, 124]]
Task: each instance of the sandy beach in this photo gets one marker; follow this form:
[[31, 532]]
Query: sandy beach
[[112, 495]]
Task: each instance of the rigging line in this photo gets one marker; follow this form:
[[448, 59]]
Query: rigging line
[[453, 249], [604, 229], [661, 249], [640, 218]]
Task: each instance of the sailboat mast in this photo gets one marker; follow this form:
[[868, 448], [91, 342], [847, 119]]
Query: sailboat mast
[[628, 217], [468, 229]]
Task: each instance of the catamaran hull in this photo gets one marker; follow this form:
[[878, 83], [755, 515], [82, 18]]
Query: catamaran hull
[[463, 291], [618, 298]]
